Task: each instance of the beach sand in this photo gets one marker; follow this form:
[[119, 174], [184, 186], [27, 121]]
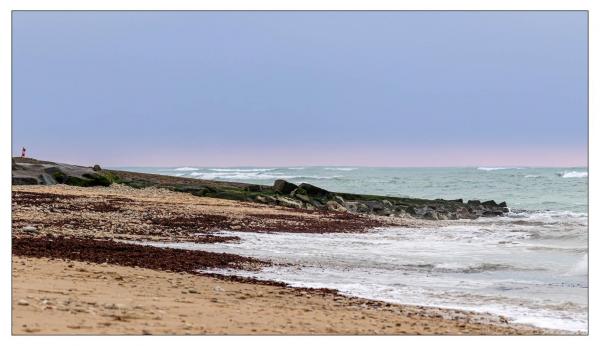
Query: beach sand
[[62, 285], [52, 296]]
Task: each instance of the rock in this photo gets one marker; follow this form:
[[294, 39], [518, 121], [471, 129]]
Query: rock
[[387, 204], [317, 204], [97, 168], [253, 188], [502, 204], [491, 203], [300, 194], [335, 206], [315, 191], [261, 199], [431, 215], [374, 206], [474, 202], [340, 200], [283, 186], [16, 180], [29, 228], [23, 302], [352, 206], [47, 179], [363, 208], [492, 213], [288, 202], [35, 172]]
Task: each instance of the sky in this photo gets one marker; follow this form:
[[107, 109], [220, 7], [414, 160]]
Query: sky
[[301, 88]]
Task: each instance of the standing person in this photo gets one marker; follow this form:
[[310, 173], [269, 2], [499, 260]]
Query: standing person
[[23, 152]]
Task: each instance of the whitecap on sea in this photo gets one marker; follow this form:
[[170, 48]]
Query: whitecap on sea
[[573, 174], [186, 169]]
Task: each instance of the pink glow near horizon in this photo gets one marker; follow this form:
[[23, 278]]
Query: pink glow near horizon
[[335, 157]]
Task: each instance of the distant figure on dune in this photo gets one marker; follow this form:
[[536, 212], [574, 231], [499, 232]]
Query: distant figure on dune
[[23, 152]]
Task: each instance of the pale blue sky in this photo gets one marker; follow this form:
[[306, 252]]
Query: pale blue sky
[[301, 88]]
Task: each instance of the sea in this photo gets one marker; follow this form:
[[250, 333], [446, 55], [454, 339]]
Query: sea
[[530, 265]]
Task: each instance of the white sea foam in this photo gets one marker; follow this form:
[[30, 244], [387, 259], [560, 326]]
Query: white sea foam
[[496, 168], [532, 176], [573, 174], [241, 169], [255, 175], [340, 168], [486, 266], [581, 267], [186, 169]]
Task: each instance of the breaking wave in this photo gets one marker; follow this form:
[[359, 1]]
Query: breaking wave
[[241, 169], [496, 168], [186, 169], [340, 168], [573, 174]]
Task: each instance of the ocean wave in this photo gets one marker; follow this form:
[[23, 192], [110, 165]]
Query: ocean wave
[[533, 176], [545, 215], [496, 168], [296, 168], [581, 267], [186, 169], [250, 175], [241, 169], [573, 174], [340, 168], [479, 268]]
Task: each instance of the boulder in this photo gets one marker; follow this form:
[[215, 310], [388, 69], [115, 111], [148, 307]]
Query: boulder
[[261, 199], [96, 168], [253, 188], [474, 202], [374, 206], [24, 180], [300, 194], [283, 186], [340, 200], [490, 203], [431, 215], [288, 202], [335, 206], [315, 191], [317, 204], [47, 179], [49, 173]]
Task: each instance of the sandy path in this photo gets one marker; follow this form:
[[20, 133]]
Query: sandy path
[[63, 297]]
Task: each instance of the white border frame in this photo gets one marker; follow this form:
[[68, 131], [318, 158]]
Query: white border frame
[[6, 6]]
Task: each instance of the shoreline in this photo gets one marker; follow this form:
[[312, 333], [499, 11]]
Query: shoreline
[[88, 218], [54, 296]]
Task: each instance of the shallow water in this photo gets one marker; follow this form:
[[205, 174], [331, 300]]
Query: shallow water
[[530, 265]]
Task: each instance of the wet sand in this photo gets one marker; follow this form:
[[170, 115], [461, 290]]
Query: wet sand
[[52, 296], [73, 275]]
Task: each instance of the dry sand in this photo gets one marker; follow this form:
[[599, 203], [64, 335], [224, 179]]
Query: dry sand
[[66, 297], [57, 296]]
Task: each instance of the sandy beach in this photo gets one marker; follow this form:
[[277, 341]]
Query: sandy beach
[[69, 297], [73, 275]]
